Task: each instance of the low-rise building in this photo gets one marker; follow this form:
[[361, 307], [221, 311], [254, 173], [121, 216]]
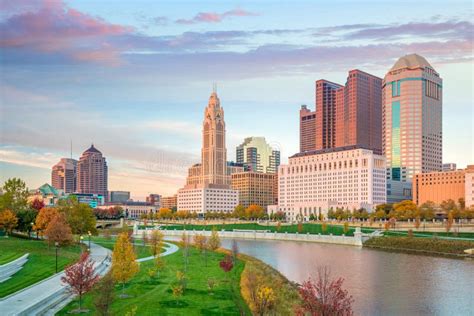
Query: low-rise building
[[119, 196], [314, 182], [137, 209], [170, 202], [441, 186], [154, 199], [46, 193], [255, 188], [93, 200], [208, 199]]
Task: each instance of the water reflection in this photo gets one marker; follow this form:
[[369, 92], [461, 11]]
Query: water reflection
[[381, 283]]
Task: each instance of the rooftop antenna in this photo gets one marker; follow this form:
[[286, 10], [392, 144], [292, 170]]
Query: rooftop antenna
[[214, 87]]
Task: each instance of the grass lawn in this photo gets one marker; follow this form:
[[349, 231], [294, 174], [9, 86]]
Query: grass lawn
[[154, 297], [431, 234], [307, 228], [141, 251], [40, 265], [6, 256]]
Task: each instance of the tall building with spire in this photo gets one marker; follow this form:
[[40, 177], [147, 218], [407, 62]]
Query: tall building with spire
[[92, 173], [64, 175], [207, 187], [214, 153], [412, 123]]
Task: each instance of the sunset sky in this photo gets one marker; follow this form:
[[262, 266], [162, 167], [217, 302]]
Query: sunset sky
[[133, 77]]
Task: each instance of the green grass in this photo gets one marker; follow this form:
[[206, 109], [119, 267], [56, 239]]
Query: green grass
[[430, 234], [141, 251], [154, 297], [433, 246], [307, 228], [7, 256], [40, 265]]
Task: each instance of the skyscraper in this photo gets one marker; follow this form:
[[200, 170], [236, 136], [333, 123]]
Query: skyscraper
[[92, 175], [257, 155], [207, 187], [349, 115], [307, 129], [63, 175], [214, 153], [412, 123], [326, 114], [359, 112]]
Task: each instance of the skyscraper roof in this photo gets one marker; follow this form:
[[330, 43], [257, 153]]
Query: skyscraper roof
[[92, 149], [411, 61]]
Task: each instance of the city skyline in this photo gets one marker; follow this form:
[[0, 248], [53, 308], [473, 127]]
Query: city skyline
[[158, 141]]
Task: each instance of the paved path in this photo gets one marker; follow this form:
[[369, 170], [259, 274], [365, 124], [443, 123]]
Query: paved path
[[31, 300], [171, 248]]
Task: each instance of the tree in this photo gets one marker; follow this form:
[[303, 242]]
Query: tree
[[58, 231], [324, 296], [124, 266], [80, 217], [346, 227], [80, 277], [254, 212], [15, 195], [104, 295], [164, 213], [265, 300], [8, 220], [239, 211], [37, 204], [156, 242], [25, 218], [234, 251], [300, 227], [214, 241], [177, 290], [449, 221], [324, 228], [226, 264], [448, 205], [45, 216], [200, 242], [462, 203], [417, 222]]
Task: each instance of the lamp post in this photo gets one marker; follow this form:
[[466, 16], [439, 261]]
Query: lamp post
[[56, 244], [89, 233], [81, 238], [29, 233]]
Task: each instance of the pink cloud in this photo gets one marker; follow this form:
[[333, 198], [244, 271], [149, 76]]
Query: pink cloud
[[54, 27], [212, 17]]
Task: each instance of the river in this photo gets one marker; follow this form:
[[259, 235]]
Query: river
[[381, 283]]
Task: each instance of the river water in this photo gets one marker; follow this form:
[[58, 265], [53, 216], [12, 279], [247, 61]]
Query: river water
[[381, 283]]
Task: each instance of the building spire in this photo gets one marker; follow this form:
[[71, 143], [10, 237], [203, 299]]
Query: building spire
[[214, 88]]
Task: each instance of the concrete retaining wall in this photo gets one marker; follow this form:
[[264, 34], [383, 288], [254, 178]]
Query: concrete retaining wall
[[12, 267], [355, 240]]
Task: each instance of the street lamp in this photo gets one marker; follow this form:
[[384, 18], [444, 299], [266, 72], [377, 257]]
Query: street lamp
[[89, 233], [81, 238], [56, 244], [29, 233]]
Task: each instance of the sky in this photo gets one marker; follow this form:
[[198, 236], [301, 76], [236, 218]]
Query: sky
[[134, 77]]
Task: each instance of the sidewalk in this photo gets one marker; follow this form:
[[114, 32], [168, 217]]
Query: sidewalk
[[42, 295]]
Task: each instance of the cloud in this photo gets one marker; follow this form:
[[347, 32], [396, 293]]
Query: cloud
[[54, 27], [212, 17]]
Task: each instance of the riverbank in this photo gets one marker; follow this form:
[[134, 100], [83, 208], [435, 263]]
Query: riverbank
[[427, 246]]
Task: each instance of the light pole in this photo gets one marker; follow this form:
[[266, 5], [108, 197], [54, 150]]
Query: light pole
[[56, 244], [29, 233], [89, 233], [81, 238]]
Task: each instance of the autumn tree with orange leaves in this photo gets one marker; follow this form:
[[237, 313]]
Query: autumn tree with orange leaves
[[8, 220], [59, 231], [45, 216]]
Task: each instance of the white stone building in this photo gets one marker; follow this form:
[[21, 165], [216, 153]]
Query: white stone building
[[202, 200], [316, 181]]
